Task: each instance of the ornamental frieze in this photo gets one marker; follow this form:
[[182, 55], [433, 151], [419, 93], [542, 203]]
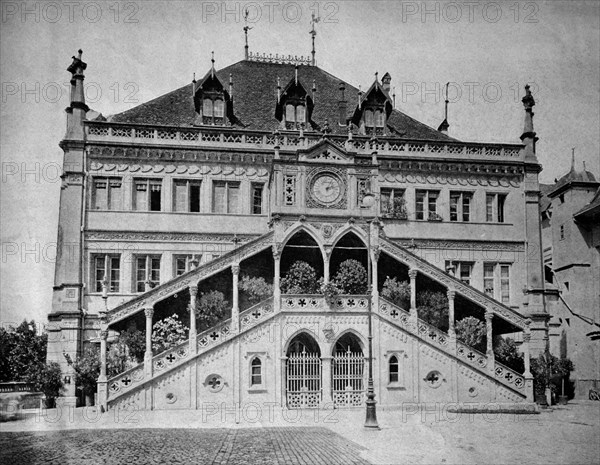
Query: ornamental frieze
[[224, 170], [166, 237], [458, 244], [451, 179]]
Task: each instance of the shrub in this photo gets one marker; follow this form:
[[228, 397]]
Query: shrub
[[47, 378], [211, 308], [301, 278], [397, 292], [398, 208], [22, 350], [548, 370], [135, 341], [351, 277], [167, 333], [329, 290], [507, 353], [432, 307], [87, 370], [472, 332], [257, 289]]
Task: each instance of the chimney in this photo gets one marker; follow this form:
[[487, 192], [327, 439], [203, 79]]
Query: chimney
[[342, 105], [77, 109], [385, 82]]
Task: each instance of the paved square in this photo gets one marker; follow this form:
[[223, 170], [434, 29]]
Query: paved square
[[256, 446]]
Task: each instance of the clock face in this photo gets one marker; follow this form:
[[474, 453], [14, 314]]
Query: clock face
[[327, 189]]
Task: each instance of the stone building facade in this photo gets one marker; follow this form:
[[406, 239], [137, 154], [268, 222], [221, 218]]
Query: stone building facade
[[268, 161]]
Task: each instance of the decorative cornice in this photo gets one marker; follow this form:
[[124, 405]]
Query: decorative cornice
[[459, 244], [203, 169], [151, 236], [459, 177]]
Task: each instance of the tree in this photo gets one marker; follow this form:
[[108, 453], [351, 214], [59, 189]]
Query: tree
[[22, 350], [47, 378], [351, 277], [301, 278], [257, 289], [167, 333], [87, 370], [397, 292], [432, 307], [472, 332], [210, 309], [507, 353]]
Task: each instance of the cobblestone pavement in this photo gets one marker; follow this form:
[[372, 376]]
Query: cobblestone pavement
[[256, 446]]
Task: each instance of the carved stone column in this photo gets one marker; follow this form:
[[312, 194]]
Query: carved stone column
[[526, 358], [149, 312], [326, 376], [103, 380], [326, 260], [490, 342], [451, 329], [235, 309], [192, 306], [276, 278], [412, 274]]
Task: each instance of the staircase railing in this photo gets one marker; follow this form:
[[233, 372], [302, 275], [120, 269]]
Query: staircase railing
[[459, 350]]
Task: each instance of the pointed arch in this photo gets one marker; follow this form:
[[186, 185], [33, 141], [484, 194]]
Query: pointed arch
[[351, 338], [303, 336]]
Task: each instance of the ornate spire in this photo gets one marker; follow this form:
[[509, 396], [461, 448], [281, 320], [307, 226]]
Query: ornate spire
[[246, 29], [528, 137], [212, 61], [445, 125], [573, 159], [314, 20]]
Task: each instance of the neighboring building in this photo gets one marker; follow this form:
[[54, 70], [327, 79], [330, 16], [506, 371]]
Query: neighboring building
[[571, 244], [268, 161]]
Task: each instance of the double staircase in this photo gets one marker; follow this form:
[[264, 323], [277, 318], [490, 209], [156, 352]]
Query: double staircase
[[127, 387]]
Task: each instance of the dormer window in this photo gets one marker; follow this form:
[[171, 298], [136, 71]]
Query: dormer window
[[374, 121], [213, 111], [212, 102], [373, 110], [295, 115]]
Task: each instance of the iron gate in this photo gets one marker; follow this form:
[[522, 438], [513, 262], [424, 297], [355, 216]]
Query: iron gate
[[348, 383], [303, 380]]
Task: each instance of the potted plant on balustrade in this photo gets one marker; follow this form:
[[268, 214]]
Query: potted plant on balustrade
[[301, 278], [397, 292], [255, 290]]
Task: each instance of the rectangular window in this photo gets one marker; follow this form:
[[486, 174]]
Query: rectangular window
[[226, 197], [392, 202], [257, 198], [147, 269], [496, 281], [460, 206], [107, 194], [462, 270], [107, 267], [186, 196], [494, 208], [426, 204], [147, 195]]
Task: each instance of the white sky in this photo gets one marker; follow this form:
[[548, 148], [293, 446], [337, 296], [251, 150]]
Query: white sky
[[137, 51]]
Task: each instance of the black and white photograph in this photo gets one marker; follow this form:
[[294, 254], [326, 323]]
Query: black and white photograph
[[300, 232]]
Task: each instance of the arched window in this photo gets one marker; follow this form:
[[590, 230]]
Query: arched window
[[369, 118], [219, 108], [290, 113], [393, 365], [256, 372], [207, 107], [379, 118], [300, 114]]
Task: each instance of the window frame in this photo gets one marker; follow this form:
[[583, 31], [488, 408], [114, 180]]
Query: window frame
[[114, 285], [392, 191], [262, 358], [427, 202], [460, 197], [254, 186], [189, 183], [148, 270], [109, 196], [228, 186], [458, 270], [149, 183], [498, 281], [496, 208]]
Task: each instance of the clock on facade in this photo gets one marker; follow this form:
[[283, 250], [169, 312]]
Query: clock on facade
[[327, 188]]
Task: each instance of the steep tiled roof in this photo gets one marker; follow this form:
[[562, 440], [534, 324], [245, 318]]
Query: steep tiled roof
[[572, 177], [255, 97], [592, 208]]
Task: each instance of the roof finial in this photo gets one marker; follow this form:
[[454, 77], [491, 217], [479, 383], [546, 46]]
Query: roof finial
[[584, 167], [573, 159], [212, 60], [445, 125], [314, 20], [278, 89], [296, 74], [314, 89], [246, 29], [231, 86], [446, 102], [394, 97], [377, 77], [359, 95]]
